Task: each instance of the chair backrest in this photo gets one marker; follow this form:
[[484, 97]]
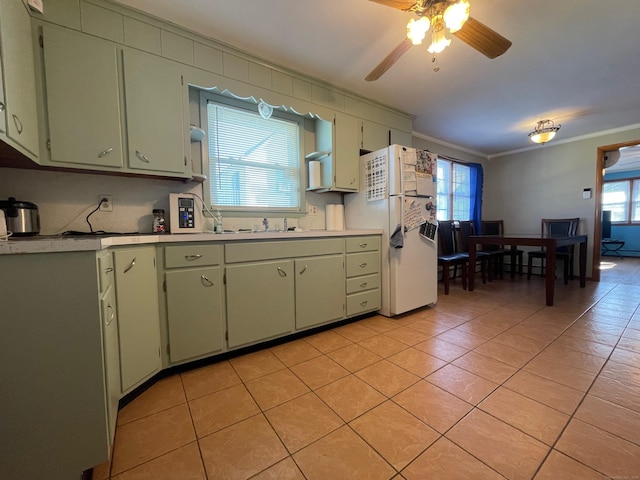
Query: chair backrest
[[466, 230], [446, 243], [492, 227], [560, 227]]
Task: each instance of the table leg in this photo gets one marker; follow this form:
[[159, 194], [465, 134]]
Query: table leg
[[472, 265], [583, 263], [550, 272], [513, 261]]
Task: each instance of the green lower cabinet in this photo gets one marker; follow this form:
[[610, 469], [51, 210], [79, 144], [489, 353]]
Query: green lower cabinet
[[320, 290], [111, 356], [260, 301], [138, 314], [194, 311]]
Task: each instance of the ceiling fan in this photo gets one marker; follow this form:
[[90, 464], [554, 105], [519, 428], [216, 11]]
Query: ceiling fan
[[439, 15]]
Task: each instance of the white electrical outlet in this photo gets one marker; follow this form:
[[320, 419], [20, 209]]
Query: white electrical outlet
[[312, 210], [107, 205]]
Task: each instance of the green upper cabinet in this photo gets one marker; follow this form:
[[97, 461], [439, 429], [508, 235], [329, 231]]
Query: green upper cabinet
[[83, 99], [153, 104], [346, 153], [18, 68], [373, 136]]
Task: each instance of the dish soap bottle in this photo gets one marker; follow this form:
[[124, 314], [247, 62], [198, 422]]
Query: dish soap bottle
[[217, 222]]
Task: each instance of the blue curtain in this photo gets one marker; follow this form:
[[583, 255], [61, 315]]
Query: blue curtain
[[477, 178]]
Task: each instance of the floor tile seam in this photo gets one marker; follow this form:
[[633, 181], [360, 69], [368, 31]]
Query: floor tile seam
[[255, 400], [592, 467], [150, 414], [600, 427], [149, 460], [189, 400], [572, 416], [403, 389], [291, 453]]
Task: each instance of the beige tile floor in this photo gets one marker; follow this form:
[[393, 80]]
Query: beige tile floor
[[489, 384]]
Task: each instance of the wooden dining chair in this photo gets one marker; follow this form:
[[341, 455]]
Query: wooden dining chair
[[448, 256], [484, 258], [559, 227], [496, 227]]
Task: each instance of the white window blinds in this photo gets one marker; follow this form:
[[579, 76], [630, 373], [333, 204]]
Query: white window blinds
[[253, 162]]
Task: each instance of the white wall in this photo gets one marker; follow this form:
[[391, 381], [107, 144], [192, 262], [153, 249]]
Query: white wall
[[547, 182]]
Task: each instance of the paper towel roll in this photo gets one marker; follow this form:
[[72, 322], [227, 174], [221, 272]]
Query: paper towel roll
[[334, 217], [315, 176]]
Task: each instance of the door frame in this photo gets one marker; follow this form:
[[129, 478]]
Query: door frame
[[597, 221]]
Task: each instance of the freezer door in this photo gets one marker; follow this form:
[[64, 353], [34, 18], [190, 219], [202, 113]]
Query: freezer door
[[401, 168]]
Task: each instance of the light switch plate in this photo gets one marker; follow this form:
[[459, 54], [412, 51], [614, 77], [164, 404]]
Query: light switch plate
[[586, 193], [36, 6]]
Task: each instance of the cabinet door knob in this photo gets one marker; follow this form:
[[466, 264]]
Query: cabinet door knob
[[190, 258], [105, 152], [206, 281], [363, 284], [363, 245], [142, 157], [362, 265], [303, 270], [364, 304], [1, 107], [282, 272], [131, 265], [108, 270]]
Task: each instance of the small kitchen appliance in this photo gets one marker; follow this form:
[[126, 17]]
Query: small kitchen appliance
[[22, 218], [184, 215]]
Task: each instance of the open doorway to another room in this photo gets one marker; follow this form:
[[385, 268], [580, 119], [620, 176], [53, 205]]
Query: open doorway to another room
[[617, 216]]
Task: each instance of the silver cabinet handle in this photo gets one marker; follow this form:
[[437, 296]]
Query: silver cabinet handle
[[206, 281], [18, 123], [363, 284], [362, 265], [352, 181], [142, 157], [303, 270], [105, 152], [363, 245], [112, 314], [191, 258], [282, 272], [363, 304], [131, 265], [1, 107], [108, 270]]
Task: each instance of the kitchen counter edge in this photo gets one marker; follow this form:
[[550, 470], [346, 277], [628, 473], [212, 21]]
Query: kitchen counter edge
[[47, 244]]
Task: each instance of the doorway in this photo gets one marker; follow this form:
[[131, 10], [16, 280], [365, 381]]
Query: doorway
[[597, 234]]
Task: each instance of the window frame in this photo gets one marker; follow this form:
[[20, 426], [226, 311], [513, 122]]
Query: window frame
[[450, 201], [250, 105], [631, 203]]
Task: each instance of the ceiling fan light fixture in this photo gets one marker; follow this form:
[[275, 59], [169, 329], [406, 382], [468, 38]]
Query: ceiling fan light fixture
[[438, 41], [456, 14], [417, 29], [545, 131]]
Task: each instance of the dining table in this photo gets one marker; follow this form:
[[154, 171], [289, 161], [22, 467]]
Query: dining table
[[548, 242]]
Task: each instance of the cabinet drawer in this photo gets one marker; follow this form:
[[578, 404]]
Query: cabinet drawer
[[363, 244], [360, 284], [192, 255], [256, 251], [105, 271], [363, 302], [363, 263]]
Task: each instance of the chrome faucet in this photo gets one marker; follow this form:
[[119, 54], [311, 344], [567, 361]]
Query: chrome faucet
[[285, 224], [265, 222]]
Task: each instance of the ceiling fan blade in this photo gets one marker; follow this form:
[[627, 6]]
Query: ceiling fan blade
[[399, 4], [389, 60], [477, 35]]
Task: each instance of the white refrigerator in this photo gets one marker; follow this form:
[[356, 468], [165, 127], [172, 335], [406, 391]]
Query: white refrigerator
[[398, 195]]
